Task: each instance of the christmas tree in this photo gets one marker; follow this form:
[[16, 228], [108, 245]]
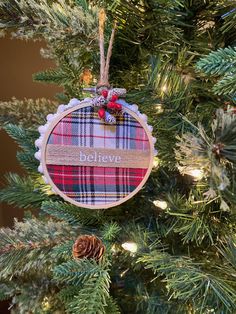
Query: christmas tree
[[172, 247]]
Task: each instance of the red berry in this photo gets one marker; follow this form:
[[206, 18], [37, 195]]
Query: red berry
[[101, 113], [114, 98], [111, 105], [105, 93], [118, 106]]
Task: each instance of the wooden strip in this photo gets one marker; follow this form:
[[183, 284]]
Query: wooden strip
[[100, 157]]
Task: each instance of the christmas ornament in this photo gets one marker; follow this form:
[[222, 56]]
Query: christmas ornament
[[88, 246], [98, 152]]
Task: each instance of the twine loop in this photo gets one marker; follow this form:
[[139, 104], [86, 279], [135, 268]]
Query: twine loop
[[106, 101], [104, 61]]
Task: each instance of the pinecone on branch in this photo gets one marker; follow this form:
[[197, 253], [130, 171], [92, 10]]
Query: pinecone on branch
[[88, 246]]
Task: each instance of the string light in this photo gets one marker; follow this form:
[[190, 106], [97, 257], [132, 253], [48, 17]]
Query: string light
[[159, 108], [58, 7], [164, 88], [161, 204], [155, 162], [124, 272], [197, 174], [130, 246], [113, 248], [45, 303]]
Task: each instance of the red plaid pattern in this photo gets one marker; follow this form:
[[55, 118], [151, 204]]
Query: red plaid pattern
[[97, 185]]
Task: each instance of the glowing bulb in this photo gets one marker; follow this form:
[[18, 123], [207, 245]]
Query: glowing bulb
[[164, 88], [58, 7], [113, 248], [161, 204], [46, 304], [124, 272], [130, 246], [155, 162], [159, 108], [196, 173]]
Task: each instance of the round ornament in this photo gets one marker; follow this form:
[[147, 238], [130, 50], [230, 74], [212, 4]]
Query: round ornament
[[93, 160]]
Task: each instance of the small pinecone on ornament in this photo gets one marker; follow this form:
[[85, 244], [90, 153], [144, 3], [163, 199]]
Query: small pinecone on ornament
[[88, 246]]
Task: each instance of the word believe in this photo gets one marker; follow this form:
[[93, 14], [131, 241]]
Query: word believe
[[98, 157]]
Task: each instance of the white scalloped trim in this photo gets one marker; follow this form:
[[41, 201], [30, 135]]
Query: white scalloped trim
[[150, 128], [61, 108], [43, 128], [40, 168], [37, 155], [73, 102], [38, 142], [50, 117]]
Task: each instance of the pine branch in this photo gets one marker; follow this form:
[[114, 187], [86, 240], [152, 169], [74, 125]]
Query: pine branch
[[145, 235], [28, 161], [213, 154], [137, 19], [221, 63], [112, 307], [67, 294], [228, 250], [23, 192], [229, 19], [56, 76], [71, 213], [197, 220], [55, 20], [37, 296], [24, 138], [6, 291], [26, 113], [153, 302], [92, 298], [187, 282], [218, 62], [66, 75], [63, 251], [92, 281], [29, 245], [110, 231], [77, 272], [69, 72], [226, 86]]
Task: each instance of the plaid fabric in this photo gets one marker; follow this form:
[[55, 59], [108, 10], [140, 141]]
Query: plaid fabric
[[97, 185]]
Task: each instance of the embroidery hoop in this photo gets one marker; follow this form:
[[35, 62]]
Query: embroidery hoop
[[56, 120]]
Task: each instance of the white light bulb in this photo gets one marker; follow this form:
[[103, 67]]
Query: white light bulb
[[164, 88], [155, 162], [161, 204], [58, 7], [159, 108], [130, 246], [113, 248], [196, 173]]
